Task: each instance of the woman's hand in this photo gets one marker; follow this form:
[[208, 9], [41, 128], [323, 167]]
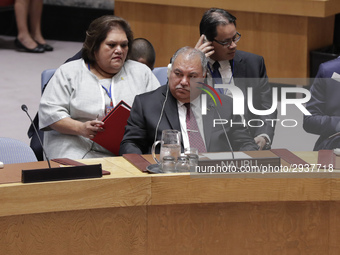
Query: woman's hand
[[205, 46], [69, 126], [90, 128]]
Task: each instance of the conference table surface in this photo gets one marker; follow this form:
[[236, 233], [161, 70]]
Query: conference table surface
[[128, 186], [131, 212]]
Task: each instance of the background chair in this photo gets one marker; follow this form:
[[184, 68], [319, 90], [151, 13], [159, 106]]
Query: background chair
[[46, 75], [162, 74], [14, 151]]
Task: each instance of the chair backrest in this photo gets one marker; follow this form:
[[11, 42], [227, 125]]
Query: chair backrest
[[14, 151], [162, 74], [46, 76]]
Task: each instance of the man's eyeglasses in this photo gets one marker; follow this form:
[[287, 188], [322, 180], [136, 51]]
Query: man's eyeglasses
[[227, 43]]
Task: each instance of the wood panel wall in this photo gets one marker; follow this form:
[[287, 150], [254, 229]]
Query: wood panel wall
[[285, 41]]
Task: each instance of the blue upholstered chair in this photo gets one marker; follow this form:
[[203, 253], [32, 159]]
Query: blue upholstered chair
[[46, 76], [14, 151], [35, 144], [162, 74]]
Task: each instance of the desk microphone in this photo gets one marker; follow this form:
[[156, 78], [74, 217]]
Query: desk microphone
[[225, 133], [256, 162], [25, 109], [59, 173], [162, 111]]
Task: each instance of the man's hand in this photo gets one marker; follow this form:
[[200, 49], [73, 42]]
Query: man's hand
[[205, 46], [262, 142]]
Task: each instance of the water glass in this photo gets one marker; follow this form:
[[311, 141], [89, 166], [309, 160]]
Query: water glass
[[168, 164], [190, 150], [193, 162], [182, 164]]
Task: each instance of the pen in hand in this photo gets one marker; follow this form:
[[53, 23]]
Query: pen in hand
[[100, 126]]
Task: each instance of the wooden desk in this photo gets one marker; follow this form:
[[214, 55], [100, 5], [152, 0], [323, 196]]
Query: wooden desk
[[282, 31], [129, 212]]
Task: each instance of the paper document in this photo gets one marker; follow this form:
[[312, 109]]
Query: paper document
[[336, 76]]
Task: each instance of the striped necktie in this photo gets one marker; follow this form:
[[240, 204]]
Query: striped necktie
[[195, 137]]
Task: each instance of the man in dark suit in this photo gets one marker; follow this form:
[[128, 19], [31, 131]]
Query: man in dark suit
[[218, 41], [324, 106], [166, 108]]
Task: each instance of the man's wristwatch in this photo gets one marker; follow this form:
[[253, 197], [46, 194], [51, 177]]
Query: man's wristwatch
[[267, 146]]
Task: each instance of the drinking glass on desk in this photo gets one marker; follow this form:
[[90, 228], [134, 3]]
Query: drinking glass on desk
[[182, 164], [190, 150], [170, 145], [192, 154], [193, 162], [168, 164]]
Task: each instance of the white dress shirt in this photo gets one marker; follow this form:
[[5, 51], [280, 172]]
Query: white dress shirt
[[225, 71]]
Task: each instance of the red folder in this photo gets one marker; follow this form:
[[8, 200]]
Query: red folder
[[114, 125]]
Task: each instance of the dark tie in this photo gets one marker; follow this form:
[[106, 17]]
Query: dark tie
[[216, 75], [195, 138]]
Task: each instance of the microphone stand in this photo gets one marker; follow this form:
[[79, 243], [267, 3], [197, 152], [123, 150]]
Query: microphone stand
[[60, 173], [25, 109]]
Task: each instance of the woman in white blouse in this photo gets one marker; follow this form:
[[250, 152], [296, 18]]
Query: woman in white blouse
[[83, 91]]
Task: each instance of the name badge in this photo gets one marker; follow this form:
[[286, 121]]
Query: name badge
[[108, 109]]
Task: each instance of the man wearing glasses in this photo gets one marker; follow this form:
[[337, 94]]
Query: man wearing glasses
[[218, 41]]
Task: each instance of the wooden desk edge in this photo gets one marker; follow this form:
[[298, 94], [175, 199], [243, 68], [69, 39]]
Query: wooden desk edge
[[145, 190], [17, 199]]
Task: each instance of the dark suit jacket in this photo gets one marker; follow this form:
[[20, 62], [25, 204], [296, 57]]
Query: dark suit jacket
[[146, 111], [248, 65], [324, 106]]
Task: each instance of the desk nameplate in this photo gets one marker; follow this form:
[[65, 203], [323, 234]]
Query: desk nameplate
[[62, 173]]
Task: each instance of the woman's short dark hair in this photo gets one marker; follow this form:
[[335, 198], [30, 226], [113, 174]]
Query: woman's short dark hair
[[212, 18], [97, 33]]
